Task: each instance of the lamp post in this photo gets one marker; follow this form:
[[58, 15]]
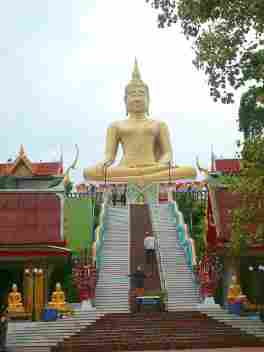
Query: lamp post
[[258, 270], [34, 291]]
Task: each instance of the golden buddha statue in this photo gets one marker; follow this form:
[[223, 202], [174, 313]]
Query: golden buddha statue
[[234, 292], [58, 299], [15, 301], [147, 151]]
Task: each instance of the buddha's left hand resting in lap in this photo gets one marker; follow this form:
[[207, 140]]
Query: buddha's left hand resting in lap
[[147, 151]]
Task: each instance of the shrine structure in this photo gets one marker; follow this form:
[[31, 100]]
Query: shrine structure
[[220, 207], [31, 223]]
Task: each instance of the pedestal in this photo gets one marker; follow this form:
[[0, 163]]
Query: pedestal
[[145, 193]]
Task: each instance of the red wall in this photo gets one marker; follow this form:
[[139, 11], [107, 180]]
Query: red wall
[[29, 218]]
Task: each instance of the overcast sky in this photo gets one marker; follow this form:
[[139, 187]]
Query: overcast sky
[[64, 65]]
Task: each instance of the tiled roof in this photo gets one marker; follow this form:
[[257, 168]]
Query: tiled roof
[[38, 169], [29, 218], [227, 165], [5, 169], [42, 169]]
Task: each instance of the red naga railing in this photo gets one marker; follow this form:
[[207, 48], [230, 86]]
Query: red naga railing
[[84, 278], [209, 273]]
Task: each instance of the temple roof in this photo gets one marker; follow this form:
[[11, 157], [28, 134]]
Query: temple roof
[[227, 165], [23, 167]]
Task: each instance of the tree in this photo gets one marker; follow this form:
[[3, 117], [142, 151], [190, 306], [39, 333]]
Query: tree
[[227, 39], [251, 112], [194, 216], [247, 226]]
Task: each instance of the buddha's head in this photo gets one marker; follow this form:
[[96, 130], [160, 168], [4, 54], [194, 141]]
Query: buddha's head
[[137, 94], [14, 287], [58, 286]]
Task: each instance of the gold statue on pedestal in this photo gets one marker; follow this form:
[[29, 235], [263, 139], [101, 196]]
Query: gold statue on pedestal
[[15, 304], [58, 299], [147, 150], [234, 292]]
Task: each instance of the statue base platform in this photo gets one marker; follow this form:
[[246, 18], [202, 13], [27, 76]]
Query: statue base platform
[[16, 310]]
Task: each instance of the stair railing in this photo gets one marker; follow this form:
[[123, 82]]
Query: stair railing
[[160, 259], [101, 233], [185, 240]]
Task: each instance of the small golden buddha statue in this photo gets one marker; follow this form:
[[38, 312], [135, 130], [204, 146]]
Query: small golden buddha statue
[[58, 299], [147, 150], [15, 301], [235, 292]]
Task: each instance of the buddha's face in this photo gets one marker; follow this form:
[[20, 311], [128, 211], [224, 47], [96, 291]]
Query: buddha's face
[[136, 99]]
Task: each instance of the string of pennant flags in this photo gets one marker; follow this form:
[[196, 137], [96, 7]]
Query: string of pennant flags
[[180, 185]]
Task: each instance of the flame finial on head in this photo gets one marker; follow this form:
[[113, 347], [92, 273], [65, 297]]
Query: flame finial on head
[[136, 74]]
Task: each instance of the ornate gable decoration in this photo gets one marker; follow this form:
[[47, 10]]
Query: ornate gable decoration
[[22, 165]]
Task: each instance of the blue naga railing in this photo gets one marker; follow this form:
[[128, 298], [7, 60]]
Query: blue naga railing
[[186, 242]]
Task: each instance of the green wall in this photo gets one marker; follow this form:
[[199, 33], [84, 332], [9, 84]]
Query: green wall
[[78, 223]]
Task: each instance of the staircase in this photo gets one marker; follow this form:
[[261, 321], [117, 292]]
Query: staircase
[[42, 336], [140, 223], [112, 289], [157, 331], [254, 327], [181, 288]]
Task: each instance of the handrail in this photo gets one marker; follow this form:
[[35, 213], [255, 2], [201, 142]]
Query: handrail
[[185, 240], [160, 258], [100, 234], [161, 269]]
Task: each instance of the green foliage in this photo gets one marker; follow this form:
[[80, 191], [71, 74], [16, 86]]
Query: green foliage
[[251, 114], [251, 192], [227, 39], [194, 216], [227, 180], [240, 237]]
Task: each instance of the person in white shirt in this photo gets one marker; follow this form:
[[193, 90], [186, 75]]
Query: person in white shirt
[[149, 246]]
